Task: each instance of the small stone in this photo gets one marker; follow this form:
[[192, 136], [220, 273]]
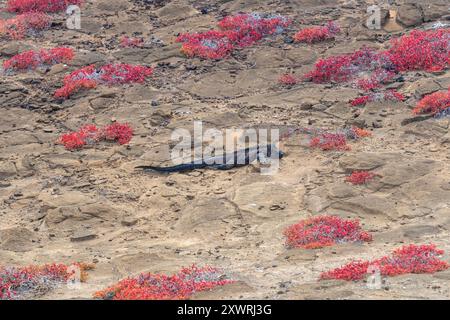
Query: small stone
[[434, 149], [319, 107], [288, 40], [377, 125], [83, 235], [275, 207], [7, 169], [129, 221], [18, 194], [409, 15]]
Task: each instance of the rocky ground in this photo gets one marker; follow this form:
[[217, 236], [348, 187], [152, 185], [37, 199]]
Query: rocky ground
[[93, 206]]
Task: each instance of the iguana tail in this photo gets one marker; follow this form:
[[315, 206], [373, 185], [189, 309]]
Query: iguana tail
[[177, 168]]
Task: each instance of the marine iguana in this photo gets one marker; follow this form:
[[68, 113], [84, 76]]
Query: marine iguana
[[226, 161]]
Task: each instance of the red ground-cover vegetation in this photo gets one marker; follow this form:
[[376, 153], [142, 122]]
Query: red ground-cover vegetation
[[111, 74], [369, 69], [22, 6], [23, 25], [318, 34], [123, 73], [237, 31], [91, 134], [117, 132], [26, 282], [338, 141], [287, 80], [323, 231], [73, 86], [30, 60], [180, 286], [357, 133], [435, 103], [407, 259], [211, 44], [348, 67], [330, 141], [389, 95], [246, 29], [421, 50], [360, 177], [376, 79], [131, 42]]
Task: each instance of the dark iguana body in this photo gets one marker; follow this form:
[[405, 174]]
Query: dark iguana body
[[224, 162]]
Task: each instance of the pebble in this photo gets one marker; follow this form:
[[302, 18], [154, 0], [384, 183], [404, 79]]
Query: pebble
[[83, 235], [129, 221]]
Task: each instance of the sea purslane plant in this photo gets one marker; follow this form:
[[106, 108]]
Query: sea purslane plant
[[30, 60], [131, 42], [49, 6], [349, 67], [86, 135], [375, 79], [122, 73], [318, 34], [356, 133], [91, 134], [84, 78], [407, 259], [323, 231], [247, 28], [421, 50], [330, 141], [389, 95], [117, 132], [436, 104], [236, 31], [73, 86], [180, 286], [111, 74], [211, 44], [327, 139], [23, 25], [360, 177], [30, 281], [287, 80]]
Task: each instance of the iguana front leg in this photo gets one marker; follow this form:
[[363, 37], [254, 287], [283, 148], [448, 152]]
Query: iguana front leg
[[263, 159]]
